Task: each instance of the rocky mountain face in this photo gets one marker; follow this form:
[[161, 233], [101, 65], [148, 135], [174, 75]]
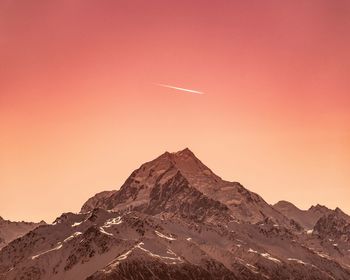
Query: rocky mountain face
[[12, 230], [162, 172], [306, 218], [335, 224], [175, 219]]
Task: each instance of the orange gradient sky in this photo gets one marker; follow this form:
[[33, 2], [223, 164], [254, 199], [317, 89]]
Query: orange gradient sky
[[80, 107]]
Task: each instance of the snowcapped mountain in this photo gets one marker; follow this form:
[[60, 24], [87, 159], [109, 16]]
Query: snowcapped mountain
[[175, 219], [12, 230], [184, 168]]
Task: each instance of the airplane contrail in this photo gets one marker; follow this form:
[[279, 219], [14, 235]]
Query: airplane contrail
[[181, 89]]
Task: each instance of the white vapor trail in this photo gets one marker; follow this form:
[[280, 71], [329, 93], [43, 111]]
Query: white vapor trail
[[181, 89]]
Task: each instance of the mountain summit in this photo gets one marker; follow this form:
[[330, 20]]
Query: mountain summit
[[139, 188]]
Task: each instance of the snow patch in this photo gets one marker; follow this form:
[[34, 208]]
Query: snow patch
[[164, 236], [323, 255], [170, 252], [75, 234], [111, 222], [77, 224], [125, 255], [102, 230], [116, 261], [43, 253], [310, 231], [173, 260], [251, 266], [296, 260], [252, 251], [267, 256]]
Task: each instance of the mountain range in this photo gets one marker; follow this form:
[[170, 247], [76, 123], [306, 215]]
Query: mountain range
[[173, 218], [12, 230]]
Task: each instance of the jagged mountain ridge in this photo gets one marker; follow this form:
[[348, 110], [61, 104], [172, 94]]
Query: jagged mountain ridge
[[306, 218], [335, 224], [119, 245], [11, 230]]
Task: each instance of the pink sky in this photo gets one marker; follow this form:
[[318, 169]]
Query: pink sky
[[80, 108]]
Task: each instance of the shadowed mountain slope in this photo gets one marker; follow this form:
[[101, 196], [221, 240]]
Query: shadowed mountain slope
[[12, 230]]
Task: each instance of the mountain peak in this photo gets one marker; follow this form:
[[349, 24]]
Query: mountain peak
[[285, 204], [185, 152], [338, 210], [186, 162], [137, 190], [319, 207]]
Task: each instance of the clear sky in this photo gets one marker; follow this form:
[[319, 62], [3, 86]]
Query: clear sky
[[81, 108]]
